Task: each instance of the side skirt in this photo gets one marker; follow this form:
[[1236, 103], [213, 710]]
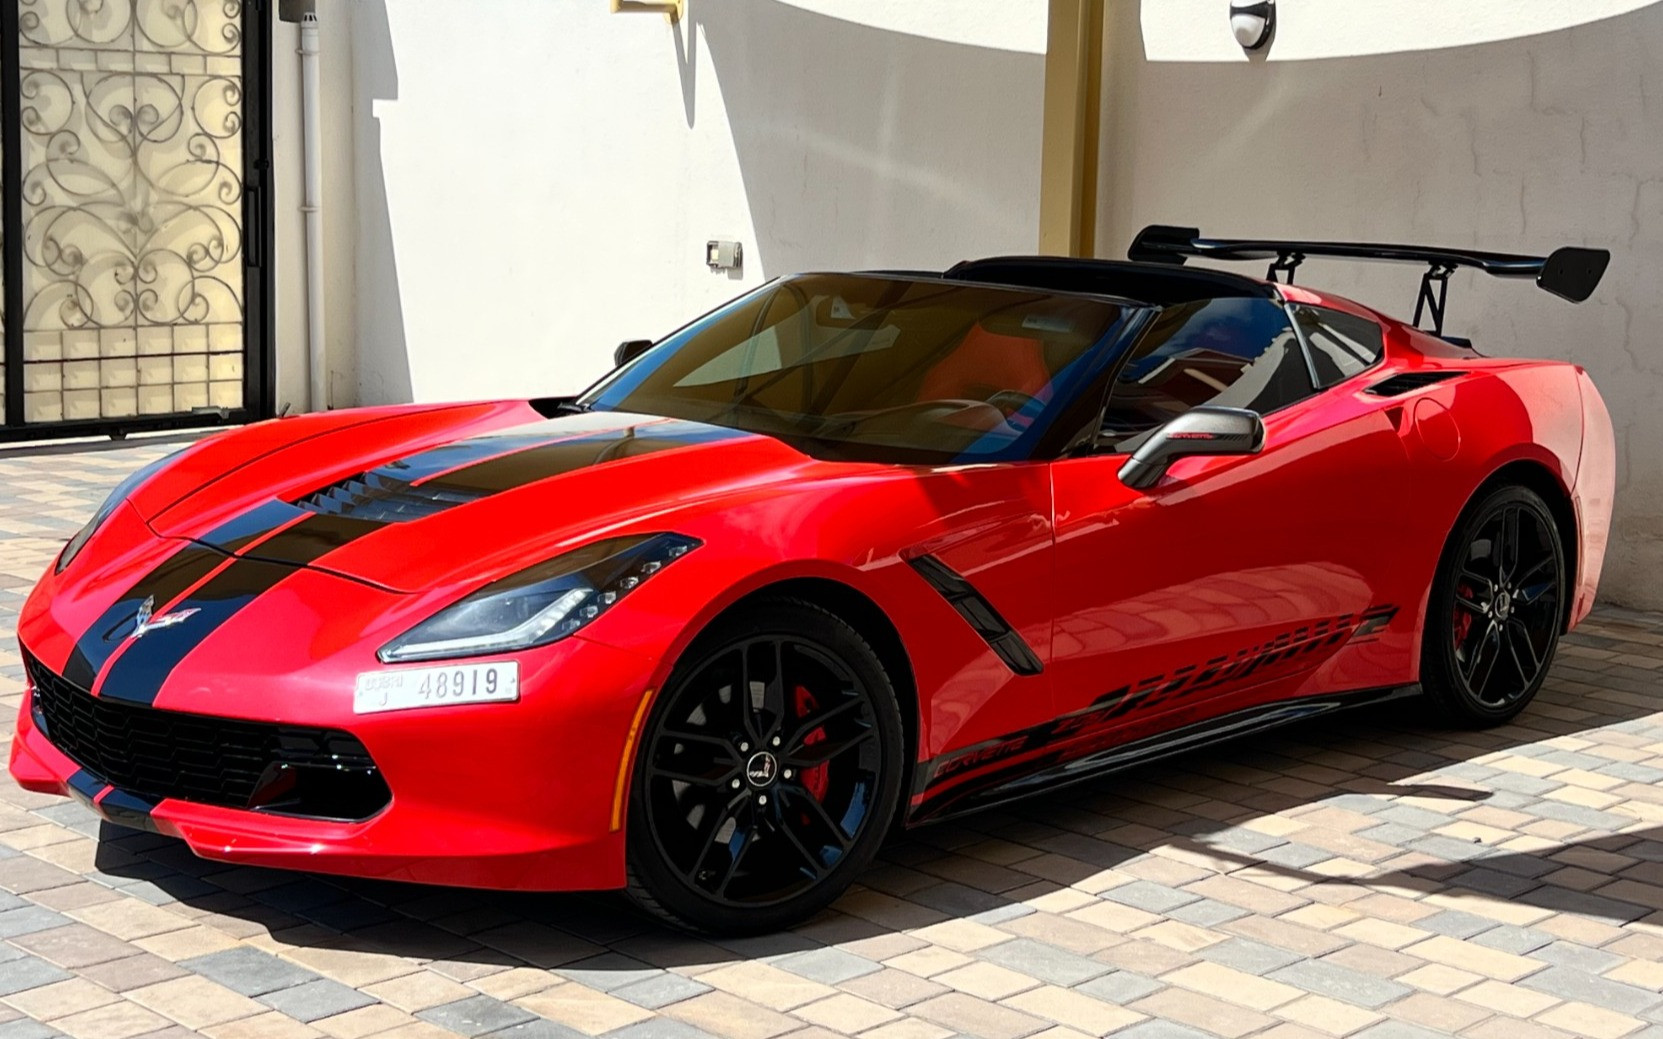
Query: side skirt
[[1048, 774]]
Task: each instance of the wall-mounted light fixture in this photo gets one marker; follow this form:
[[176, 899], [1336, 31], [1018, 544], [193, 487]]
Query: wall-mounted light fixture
[[1253, 22], [722, 255], [670, 9]]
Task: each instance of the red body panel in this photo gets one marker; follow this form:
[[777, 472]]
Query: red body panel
[[1300, 571]]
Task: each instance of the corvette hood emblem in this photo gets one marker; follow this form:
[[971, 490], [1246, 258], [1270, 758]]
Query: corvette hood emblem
[[146, 621]]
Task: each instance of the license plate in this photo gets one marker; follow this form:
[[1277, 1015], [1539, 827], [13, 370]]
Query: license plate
[[436, 687]]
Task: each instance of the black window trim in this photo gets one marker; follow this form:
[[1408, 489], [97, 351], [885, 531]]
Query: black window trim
[[1310, 358], [1089, 441]]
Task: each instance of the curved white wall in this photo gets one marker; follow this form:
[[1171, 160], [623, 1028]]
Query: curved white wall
[[535, 181], [1427, 121]]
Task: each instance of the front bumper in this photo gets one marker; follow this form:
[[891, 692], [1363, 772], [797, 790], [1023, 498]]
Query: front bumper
[[513, 796]]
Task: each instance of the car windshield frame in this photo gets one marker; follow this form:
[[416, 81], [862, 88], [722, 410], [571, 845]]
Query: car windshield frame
[[1039, 428]]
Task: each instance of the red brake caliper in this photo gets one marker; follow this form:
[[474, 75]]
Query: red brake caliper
[[1463, 618], [813, 779]]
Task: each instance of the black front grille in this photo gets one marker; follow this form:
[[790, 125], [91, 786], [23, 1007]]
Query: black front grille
[[383, 497], [1407, 382], [289, 769]]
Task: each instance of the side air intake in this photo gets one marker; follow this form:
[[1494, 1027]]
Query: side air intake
[[1408, 382], [963, 597]]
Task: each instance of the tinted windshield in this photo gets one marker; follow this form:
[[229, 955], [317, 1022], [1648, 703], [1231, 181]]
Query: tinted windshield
[[911, 371]]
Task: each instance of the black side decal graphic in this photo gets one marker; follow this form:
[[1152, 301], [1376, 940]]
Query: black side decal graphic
[[1056, 770], [1003, 761], [963, 597]]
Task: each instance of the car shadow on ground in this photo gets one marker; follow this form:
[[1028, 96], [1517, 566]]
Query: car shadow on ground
[[1375, 785]]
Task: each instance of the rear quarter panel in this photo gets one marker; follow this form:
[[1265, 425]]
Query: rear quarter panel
[[1460, 433]]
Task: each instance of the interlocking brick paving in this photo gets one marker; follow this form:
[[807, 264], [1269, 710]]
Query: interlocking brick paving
[[1361, 876]]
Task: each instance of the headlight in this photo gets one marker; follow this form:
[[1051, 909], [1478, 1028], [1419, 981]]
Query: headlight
[[122, 492], [542, 604]]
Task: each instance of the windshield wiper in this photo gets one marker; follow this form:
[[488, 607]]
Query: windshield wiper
[[549, 407]]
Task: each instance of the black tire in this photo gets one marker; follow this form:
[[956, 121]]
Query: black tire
[[1496, 611], [740, 803]]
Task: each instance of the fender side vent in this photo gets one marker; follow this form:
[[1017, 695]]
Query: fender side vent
[[963, 597], [1408, 382]]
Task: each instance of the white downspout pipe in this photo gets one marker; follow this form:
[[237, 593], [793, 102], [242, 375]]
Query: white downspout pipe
[[311, 146]]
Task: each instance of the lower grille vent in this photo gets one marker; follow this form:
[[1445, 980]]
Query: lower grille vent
[[290, 769]]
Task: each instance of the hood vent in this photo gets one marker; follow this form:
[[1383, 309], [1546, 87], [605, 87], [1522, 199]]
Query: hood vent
[[380, 497], [1408, 382]]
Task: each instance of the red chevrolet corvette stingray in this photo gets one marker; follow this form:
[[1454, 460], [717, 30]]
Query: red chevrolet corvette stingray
[[852, 550]]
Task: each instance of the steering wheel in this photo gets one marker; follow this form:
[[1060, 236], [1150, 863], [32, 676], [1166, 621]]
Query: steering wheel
[[974, 415], [1011, 401]]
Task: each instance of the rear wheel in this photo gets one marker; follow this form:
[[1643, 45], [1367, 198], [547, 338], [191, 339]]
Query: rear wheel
[[768, 774], [1496, 610]]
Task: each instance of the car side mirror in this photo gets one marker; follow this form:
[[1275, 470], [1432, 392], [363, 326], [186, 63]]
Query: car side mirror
[[629, 350], [1199, 431]]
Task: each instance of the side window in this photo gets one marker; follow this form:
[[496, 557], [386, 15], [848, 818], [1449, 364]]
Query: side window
[[1238, 353], [1341, 345]]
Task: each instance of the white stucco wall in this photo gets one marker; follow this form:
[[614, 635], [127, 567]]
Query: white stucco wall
[[1489, 123], [523, 185]]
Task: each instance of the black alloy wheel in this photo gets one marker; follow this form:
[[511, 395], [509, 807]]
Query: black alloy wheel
[[769, 774], [1497, 609]]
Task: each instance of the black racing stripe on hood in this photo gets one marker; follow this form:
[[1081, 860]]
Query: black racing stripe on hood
[[506, 472], [432, 481], [171, 579], [137, 674], [305, 534], [311, 539]]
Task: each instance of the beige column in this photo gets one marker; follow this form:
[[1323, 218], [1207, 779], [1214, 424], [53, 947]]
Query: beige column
[[1068, 163]]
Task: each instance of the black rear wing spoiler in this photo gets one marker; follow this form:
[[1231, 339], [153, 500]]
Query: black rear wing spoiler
[[1570, 272]]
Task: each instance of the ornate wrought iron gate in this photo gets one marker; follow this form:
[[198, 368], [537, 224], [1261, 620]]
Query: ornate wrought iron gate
[[135, 230]]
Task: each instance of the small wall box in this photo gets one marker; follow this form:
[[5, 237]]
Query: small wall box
[[723, 256]]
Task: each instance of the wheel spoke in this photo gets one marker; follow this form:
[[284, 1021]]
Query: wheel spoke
[[1523, 648], [825, 716], [1470, 605], [746, 840], [1481, 641], [816, 867], [695, 778], [1536, 581], [706, 842], [747, 707], [772, 710], [702, 739], [1481, 673], [813, 754], [1478, 581], [1506, 546], [817, 812]]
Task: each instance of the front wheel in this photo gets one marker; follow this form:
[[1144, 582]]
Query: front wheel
[[1496, 611], [768, 775]]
